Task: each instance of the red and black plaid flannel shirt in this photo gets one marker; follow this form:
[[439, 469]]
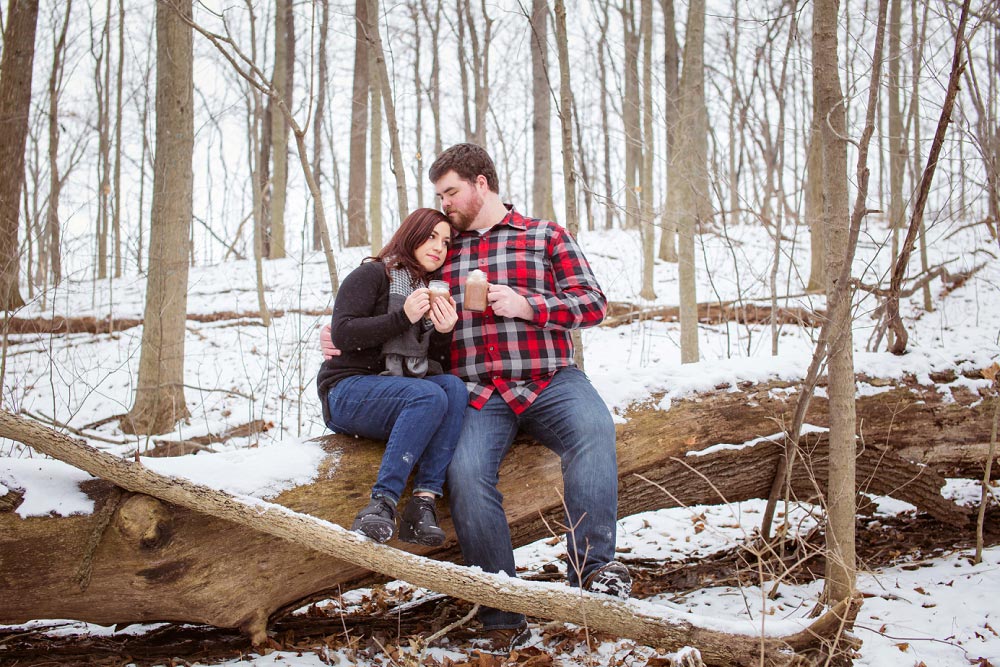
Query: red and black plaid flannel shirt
[[541, 261]]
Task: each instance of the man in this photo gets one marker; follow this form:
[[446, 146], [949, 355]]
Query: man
[[517, 360]]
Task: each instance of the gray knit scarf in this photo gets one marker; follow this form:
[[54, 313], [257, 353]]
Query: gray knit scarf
[[406, 354]]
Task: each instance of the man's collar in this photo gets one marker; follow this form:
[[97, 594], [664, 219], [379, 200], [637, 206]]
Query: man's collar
[[513, 218]]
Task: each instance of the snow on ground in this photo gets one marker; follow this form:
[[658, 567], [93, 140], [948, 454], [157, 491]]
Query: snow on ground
[[943, 612], [939, 612]]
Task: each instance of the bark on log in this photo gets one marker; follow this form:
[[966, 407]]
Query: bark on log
[[158, 561]]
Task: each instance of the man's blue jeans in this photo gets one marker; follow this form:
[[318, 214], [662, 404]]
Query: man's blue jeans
[[420, 420], [570, 418]]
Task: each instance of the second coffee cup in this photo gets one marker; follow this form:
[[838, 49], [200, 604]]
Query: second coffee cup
[[476, 289]]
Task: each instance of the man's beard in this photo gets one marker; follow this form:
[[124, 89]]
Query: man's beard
[[463, 219]]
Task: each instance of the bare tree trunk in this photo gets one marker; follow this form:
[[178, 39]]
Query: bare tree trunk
[[774, 177], [461, 6], [814, 204], [389, 104], [565, 111], [897, 150], [341, 207], [15, 103], [814, 212], [375, 178], [257, 163], [581, 154], [317, 162], [483, 90], [418, 87], [646, 229], [52, 230], [736, 127], [897, 147], [264, 176], [480, 67], [983, 93], [602, 47], [631, 104], [357, 229], [283, 80], [541, 189], [691, 182], [917, 51], [101, 50], [32, 209], [116, 225], [106, 169], [840, 505], [159, 399], [434, 89], [145, 156], [671, 80], [258, 204]]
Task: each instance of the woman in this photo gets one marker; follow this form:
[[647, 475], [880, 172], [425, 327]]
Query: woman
[[386, 384]]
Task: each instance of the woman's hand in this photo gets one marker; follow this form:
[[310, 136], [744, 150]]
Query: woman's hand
[[444, 315], [417, 304]]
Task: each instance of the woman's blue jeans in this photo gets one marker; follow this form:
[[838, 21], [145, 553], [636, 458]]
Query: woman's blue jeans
[[570, 418], [420, 420]]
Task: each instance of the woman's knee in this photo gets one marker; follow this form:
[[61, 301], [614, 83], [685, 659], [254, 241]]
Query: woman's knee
[[454, 387], [428, 396]]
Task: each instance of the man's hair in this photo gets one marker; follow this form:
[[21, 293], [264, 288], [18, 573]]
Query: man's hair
[[468, 161]]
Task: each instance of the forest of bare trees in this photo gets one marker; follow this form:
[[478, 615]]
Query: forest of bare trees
[[636, 120], [148, 139]]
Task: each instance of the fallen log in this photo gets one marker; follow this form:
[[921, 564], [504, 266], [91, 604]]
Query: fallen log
[[170, 448], [715, 312], [63, 325], [619, 313], [670, 631], [157, 561], [93, 325]]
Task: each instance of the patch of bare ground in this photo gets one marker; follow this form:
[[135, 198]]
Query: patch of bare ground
[[394, 622]]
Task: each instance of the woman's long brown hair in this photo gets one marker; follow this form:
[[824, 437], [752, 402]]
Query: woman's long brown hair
[[398, 253]]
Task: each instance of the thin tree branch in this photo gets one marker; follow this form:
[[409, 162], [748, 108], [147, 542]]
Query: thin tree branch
[[893, 319]]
